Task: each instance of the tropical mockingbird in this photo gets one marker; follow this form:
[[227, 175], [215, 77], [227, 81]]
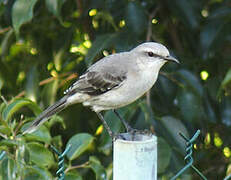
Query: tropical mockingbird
[[113, 82]]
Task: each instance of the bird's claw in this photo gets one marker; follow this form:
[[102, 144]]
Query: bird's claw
[[117, 136], [135, 132]]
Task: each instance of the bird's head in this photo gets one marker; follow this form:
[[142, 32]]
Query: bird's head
[[154, 53]]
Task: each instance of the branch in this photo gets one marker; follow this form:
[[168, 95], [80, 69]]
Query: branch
[[175, 38], [172, 79], [4, 30], [77, 166], [148, 38], [50, 79], [151, 16]]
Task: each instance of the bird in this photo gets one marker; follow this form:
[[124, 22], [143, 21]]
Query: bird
[[112, 82]]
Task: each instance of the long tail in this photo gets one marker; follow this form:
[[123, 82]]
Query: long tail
[[45, 115]]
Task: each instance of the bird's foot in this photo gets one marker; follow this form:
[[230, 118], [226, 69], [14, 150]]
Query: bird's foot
[[135, 132], [116, 136]]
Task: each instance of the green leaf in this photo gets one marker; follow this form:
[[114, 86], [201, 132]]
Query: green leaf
[[79, 144], [8, 169], [185, 11], [6, 43], [190, 106], [173, 127], [56, 119], [37, 173], [22, 12], [40, 155], [54, 6], [57, 141], [164, 155], [135, 17], [190, 81], [96, 166], [209, 34], [14, 106], [168, 89], [5, 130], [73, 176], [226, 112], [32, 83], [2, 107], [106, 16], [100, 43], [221, 12], [9, 142], [226, 83], [147, 112], [49, 92], [1, 83], [42, 134]]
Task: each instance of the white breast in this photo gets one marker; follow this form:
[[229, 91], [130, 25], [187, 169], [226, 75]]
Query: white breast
[[136, 85]]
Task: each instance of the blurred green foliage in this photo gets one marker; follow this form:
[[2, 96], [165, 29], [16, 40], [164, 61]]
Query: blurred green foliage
[[46, 44]]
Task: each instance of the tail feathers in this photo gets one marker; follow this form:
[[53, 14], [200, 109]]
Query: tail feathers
[[45, 115]]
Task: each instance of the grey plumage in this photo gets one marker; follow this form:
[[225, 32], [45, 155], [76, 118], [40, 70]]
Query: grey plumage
[[113, 82]]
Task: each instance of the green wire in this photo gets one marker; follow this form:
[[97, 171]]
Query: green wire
[[188, 157]]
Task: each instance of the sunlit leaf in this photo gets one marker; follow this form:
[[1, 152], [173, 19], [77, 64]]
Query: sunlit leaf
[[22, 12], [226, 83], [42, 134], [13, 107], [32, 84], [79, 144], [40, 155]]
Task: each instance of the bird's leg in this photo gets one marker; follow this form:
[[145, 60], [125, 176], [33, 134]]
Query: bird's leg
[[127, 126], [111, 134], [129, 129]]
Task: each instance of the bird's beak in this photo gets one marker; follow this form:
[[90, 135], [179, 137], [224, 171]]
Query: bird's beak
[[171, 58]]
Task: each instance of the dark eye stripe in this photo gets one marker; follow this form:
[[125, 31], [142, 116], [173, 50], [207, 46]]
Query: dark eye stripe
[[151, 54]]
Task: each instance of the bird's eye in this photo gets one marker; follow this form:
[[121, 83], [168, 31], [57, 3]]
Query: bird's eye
[[150, 54]]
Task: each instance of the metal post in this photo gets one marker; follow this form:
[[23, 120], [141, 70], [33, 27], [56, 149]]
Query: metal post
[[135, 159]]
